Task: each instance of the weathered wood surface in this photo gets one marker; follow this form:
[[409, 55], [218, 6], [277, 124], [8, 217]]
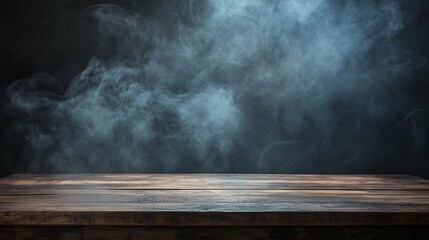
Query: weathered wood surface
[[213, 200], [210, 181]]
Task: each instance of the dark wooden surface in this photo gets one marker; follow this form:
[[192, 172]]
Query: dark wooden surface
[[215, 233], [174, 205], [213, 199]]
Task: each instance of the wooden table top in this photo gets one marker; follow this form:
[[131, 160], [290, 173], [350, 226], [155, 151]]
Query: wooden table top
[[213, 199]]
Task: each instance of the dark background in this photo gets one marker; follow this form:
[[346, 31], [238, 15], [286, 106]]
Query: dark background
[[43, 36], [52, 36]]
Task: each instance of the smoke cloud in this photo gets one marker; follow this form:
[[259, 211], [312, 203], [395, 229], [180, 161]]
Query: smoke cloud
[[230, 86]]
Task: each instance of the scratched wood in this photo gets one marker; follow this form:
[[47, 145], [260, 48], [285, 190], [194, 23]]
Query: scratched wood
[[213, 206], [210, 181]]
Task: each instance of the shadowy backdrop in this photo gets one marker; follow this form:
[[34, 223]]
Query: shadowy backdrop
[[205, 86]]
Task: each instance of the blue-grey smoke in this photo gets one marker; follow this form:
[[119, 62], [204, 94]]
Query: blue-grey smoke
[[226, 85]]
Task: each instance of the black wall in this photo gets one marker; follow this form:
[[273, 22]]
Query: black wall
[[55, 37], [43, 36]]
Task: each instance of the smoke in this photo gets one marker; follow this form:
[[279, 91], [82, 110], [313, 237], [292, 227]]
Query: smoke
[[228, 86]]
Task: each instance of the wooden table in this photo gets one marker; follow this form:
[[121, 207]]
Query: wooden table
[[213, 206]]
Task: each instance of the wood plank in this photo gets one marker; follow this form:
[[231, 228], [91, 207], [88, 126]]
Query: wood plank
[[330, 192], [122, 217], [213, 200], [210, 181], [402, 198]]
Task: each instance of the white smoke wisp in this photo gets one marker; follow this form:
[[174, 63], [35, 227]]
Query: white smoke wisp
[[229, 85]]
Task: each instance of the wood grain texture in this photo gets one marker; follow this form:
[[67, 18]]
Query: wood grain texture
[[210, 181], [213, 200]]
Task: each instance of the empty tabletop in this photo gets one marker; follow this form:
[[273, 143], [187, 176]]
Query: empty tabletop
[[213, 199]]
